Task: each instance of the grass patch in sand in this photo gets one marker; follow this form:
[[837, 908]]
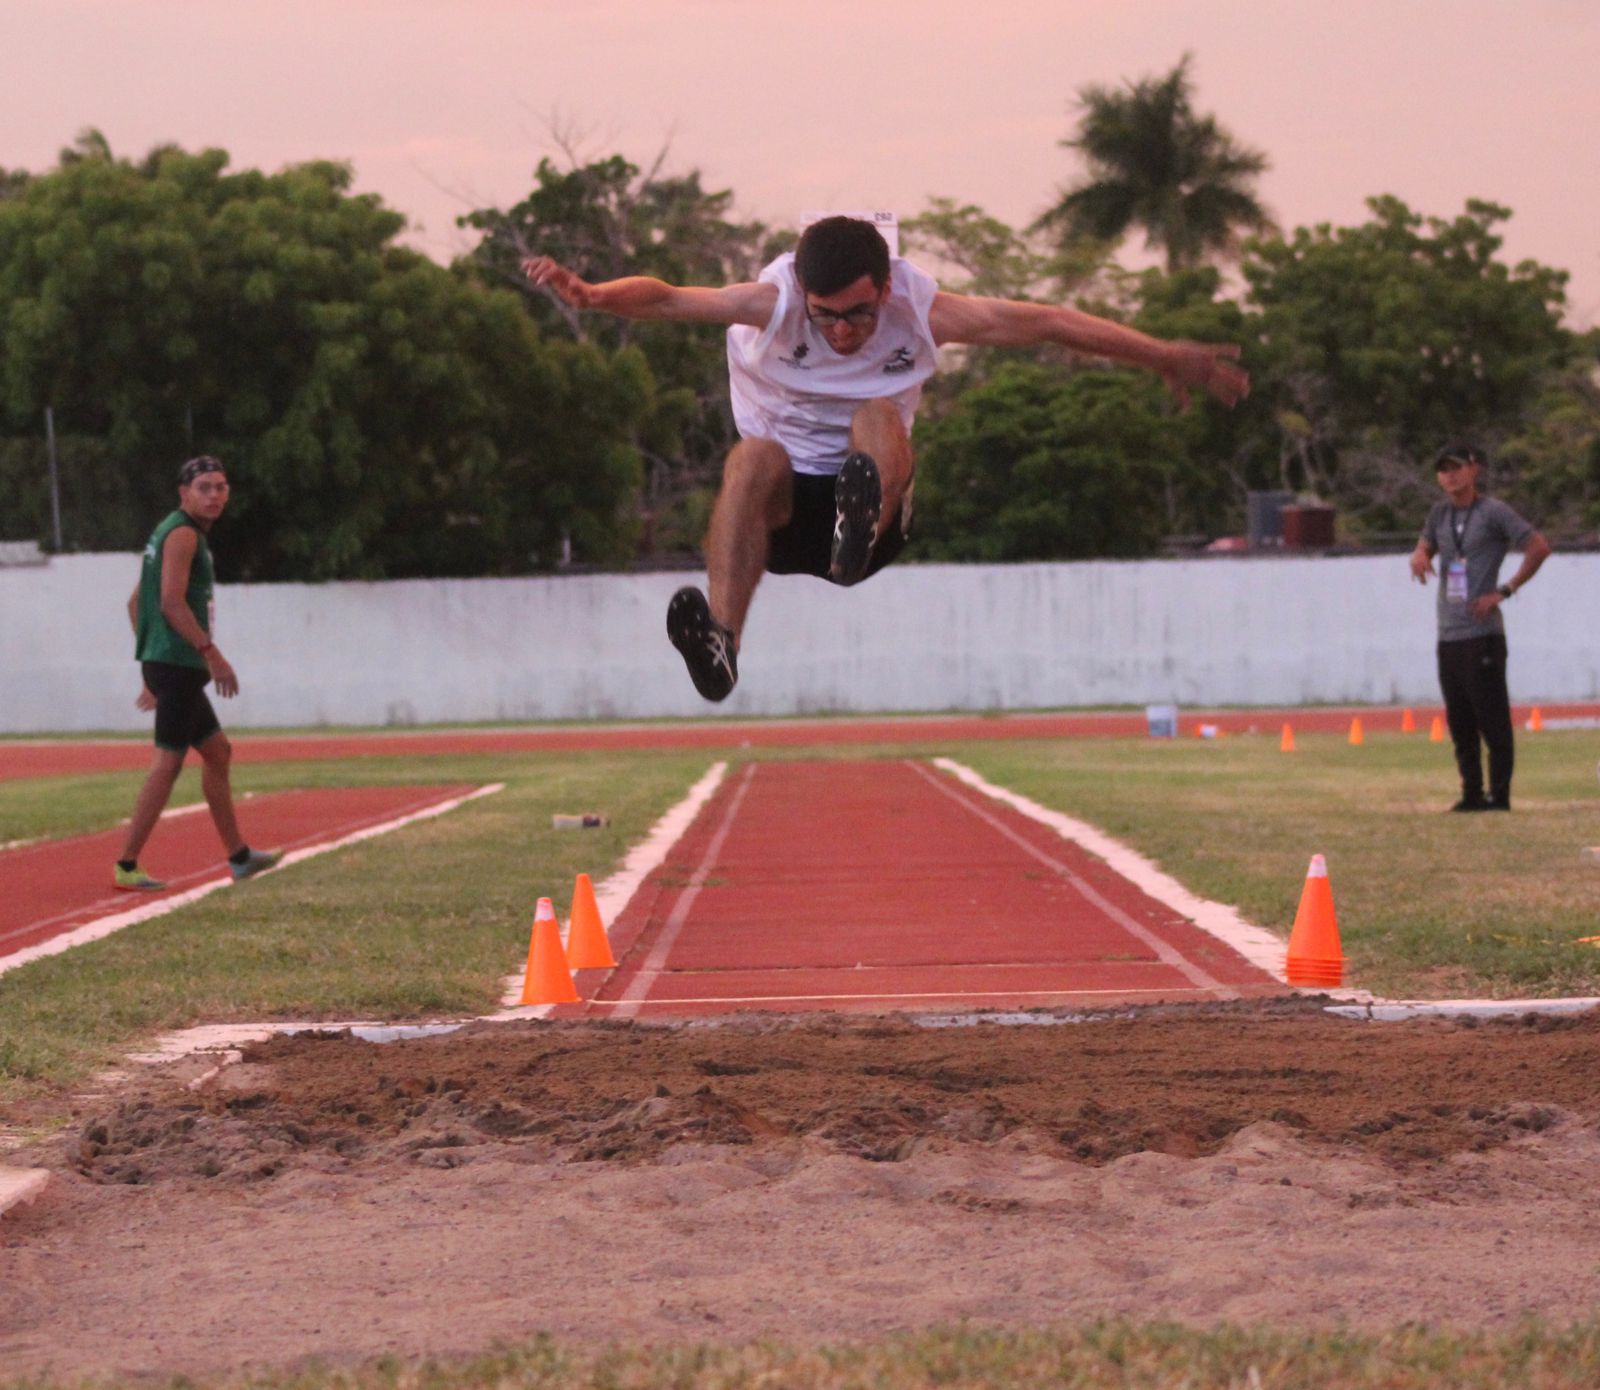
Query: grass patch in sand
[[1101, 1356]]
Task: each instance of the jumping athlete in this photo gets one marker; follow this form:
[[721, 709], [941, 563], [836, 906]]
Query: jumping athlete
[[827, 354], [171, 615]]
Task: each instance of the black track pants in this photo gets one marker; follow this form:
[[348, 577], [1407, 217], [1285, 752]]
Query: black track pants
[[1472, 675]]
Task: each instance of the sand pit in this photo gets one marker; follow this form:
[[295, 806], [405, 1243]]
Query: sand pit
[[820, 1178]]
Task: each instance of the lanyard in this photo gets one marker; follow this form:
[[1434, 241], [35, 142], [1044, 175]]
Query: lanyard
[[1460, 532]]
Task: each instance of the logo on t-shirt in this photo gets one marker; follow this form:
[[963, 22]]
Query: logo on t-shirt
[[900, 360], [797, 358]]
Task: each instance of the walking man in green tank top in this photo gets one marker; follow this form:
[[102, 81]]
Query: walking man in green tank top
[[171, 616]]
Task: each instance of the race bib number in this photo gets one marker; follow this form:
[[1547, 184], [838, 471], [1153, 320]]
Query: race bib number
[[1455, 581]]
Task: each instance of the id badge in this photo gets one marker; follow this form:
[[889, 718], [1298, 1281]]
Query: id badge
[[1455, 581]]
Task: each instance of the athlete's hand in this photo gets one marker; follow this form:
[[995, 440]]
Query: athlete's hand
[[544, 273], [1209, 367], [1421, 565], [146, 700], [222, 676]]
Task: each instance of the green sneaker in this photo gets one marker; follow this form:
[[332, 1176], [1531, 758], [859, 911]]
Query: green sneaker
[[259, 862], [136, 880]]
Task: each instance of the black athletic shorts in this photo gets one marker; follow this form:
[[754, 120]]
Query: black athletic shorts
[[805, 545], [184, 717]]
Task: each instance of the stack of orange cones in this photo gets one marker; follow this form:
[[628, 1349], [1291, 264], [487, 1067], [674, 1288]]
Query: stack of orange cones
[[1408, 722], [1286, 743], [1356, 736], [587, 947], [1436, 734], [1535, 721], [1315, 957], [549, 978]]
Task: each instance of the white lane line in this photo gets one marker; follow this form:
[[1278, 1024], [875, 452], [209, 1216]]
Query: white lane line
[[640, 985], [1165, 951], [1256, 944], [206, 880], [105, 926], [612, 896], [171, 813]]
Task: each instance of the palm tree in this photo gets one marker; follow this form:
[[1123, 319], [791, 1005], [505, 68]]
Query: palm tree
[[1155, 164]]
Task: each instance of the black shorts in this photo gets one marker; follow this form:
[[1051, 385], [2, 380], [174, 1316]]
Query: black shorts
[[805, 545], [184, 717]]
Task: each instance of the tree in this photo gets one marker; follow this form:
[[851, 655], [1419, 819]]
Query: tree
[[381, 415], [974, 253], [605, 219], [1380, 341], [1037, 465], [1219, 455], [1156, 165], [1553, 461]]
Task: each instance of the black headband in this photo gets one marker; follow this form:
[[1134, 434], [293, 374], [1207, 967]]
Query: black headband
[[196, 466]]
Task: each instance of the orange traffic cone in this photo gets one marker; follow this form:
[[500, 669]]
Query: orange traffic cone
[[1408, 722], [1436, 733], [587, 947], [1535, 721], [1286, 743], [549, 980], [1356, 736], [1314, 956]]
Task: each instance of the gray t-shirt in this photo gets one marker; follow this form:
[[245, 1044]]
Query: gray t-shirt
[[1481, 534]]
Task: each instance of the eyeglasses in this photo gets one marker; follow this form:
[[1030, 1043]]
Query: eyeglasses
[[860, 316]]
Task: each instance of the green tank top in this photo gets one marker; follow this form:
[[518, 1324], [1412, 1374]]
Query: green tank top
[[156, 640]]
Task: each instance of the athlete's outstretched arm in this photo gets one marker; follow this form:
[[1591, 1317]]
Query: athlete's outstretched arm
[[644, 297], [1184, 366]]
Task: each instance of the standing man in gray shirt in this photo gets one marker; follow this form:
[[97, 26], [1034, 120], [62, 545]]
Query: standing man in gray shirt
[[1471, 533]]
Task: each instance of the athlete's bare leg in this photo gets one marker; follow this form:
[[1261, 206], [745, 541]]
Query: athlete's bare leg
[[215, 781], [876, 429], [152, 800], [757, 498]]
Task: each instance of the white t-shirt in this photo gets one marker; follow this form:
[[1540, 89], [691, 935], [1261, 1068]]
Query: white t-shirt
[[790, 386]]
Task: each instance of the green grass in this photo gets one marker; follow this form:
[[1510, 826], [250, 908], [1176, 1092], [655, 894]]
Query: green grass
[[1429, 904], [1101, 1356], [423, 922], [428, 921]]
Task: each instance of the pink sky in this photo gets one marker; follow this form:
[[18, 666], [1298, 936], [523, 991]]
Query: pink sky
[[443, 105]]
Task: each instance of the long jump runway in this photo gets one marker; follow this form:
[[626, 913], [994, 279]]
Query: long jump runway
[[56, 890], [872, 885]]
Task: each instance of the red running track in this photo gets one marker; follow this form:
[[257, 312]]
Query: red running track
[[58, 886], [55, 758], [889, 885]]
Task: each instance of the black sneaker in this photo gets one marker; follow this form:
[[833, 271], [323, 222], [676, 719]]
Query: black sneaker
[[858, 497], [1471, 803], [1497, 803], [705, 645]]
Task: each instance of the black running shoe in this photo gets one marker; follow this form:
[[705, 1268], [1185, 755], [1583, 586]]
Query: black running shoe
[[1471, 803], [705, 645], [858, 496]]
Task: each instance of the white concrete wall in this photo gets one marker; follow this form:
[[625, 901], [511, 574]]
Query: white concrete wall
[[1279, 631]]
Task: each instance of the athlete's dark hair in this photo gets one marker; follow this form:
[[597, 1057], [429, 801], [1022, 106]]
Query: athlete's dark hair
[[837, 251], [196, 466]]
